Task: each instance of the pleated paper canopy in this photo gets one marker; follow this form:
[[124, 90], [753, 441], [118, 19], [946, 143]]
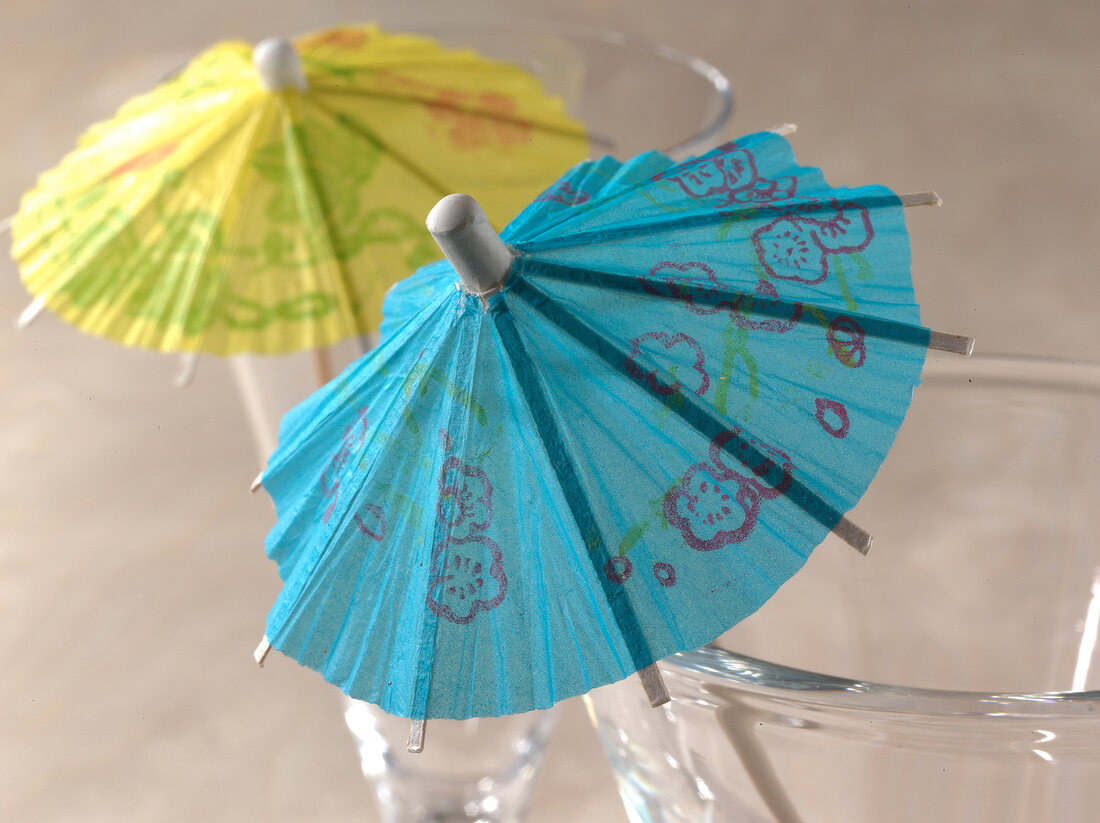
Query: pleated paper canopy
[[264, 199], [690, 374]]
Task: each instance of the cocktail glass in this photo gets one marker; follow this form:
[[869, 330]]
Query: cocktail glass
[[952, 675]]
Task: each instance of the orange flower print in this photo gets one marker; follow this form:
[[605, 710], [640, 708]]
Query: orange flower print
[[479, 120], [144, 160], [335, 39]]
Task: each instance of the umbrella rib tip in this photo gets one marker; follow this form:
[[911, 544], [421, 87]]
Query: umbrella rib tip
[[261, 652], [415, 743], [654, 685], [951, 343], [858, 538], [188, 364], [30, 314]]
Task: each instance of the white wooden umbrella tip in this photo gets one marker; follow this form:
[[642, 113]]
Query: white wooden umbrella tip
[[481, 259], [279, 65], [453, 213]]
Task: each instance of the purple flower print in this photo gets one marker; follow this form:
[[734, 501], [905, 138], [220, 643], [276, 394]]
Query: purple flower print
[[562, 192], [771, 469], [618, 568], [715, 505], [355, 435], [465, 496], [833, 417], [847, 340], [467, 578], [712, 508], [659, 384], [729, 175], [768, 299], [795, 246], [693, 283], [467, 566]]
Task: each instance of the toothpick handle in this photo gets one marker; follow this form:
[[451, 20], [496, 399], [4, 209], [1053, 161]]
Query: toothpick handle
[[783, 129], [257, 483]]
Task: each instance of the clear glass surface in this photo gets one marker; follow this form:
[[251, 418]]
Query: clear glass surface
[[632, 96], [470, 770], [979, 605]]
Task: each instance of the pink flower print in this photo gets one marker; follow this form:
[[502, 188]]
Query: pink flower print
[[659, 384], [797, 247], [770, 468], [694, 283], [465, 496], [712, 508], [729, 174], [562, 192], [467, 578], [768, 322]]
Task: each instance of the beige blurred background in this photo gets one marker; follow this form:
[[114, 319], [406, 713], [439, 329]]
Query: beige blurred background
[[133, 584]]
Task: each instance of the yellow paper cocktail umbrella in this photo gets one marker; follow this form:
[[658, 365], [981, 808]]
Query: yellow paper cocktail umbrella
[[264, 199]]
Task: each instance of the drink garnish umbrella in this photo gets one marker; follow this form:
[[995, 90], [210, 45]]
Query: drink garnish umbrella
[[263, 199], [601, 439]]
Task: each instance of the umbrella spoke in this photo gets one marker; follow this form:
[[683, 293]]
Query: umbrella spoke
[[676, 223], [715, 295], [415, 743], [571, 487]]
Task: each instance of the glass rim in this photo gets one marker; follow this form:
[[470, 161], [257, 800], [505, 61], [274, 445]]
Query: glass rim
[[704, 69], [826, 689], [1009, 367]]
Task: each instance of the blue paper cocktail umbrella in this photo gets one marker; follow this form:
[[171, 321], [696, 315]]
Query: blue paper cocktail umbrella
[[604, 440]]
